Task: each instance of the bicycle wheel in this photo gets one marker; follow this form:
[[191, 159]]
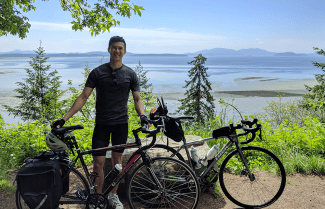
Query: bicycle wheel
[[179, 185], [77, 183], [263, 189], [158, 150]]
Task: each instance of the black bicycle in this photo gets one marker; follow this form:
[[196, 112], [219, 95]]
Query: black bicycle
[[160, 182], [250, 176]]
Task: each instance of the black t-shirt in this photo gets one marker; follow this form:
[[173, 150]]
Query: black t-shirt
[[112, 92]]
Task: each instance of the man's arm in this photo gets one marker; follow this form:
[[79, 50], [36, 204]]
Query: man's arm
[[79, 103], [138, 104]]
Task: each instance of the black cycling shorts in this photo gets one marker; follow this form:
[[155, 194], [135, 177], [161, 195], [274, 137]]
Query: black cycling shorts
[[103, 133]]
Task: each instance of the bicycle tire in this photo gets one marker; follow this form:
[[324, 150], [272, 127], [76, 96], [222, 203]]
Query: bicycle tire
[[181, 188], [76, 181], [164, 150], [247, 193]]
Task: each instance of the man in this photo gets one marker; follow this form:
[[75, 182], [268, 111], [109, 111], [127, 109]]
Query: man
[[113, 82]]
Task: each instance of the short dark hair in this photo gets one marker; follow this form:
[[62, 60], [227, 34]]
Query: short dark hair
[[116, 39]]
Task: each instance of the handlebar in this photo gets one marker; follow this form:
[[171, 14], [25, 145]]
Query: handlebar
[[230, 131], [152, 133], [249, 123]]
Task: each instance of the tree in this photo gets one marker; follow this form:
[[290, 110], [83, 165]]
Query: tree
[[146, 87], [95, 17], [315, 98], [88, 110], [198, 101], [146, 96], [39, 92]]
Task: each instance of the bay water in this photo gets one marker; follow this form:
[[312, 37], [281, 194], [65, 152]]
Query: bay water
[[168, 75]]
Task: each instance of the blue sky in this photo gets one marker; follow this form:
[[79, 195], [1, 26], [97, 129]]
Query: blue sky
[[181, 26]]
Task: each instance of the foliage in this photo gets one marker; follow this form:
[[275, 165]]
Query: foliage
[[300, 148], [11, 20], [87, 112], [224, 103], [6, 185], [198, 101], [278, 112], [28, 139], [146, 97], [142, 75], [146, 88], [39, 92], [315, 98], [95, 17]]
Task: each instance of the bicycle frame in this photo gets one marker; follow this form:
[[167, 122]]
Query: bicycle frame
[[232, 140], [82, 161], [137, 144]]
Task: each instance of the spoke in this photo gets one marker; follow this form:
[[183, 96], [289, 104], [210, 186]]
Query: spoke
[[180, 202], [141, 187], [176, 181], [148, 178], [184, 194]]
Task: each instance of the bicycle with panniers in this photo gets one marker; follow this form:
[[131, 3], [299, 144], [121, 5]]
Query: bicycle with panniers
[[160, 182]]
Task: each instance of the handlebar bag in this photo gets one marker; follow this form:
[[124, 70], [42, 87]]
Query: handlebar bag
[[173, 129], [39, 183]]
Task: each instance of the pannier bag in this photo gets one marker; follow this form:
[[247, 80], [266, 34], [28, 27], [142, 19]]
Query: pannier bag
[[173, 129], [64, 161], [39, 183]]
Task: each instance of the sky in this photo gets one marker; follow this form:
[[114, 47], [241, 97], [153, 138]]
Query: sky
[[182, 26]]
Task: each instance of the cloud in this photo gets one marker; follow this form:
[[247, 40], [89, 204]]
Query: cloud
[[48, 26], [163, 33], [134, 33]]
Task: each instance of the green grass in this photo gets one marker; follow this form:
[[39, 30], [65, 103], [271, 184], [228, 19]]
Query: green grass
[[5, 184]]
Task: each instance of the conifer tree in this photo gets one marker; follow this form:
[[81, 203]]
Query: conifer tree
[[146, 87], [198, 101], [39, 92], [314, 100]]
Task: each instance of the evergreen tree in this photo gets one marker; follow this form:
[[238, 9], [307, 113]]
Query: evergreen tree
[[146, 87], [198, 101], [314, 100], [39, 92], [87, 112]]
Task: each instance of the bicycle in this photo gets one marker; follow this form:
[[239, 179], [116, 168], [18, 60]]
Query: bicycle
[[156, 182], [242, 174]]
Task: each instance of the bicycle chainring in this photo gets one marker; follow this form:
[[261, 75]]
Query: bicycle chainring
[[97, 201]]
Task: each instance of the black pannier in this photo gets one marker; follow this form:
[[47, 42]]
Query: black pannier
[[39, 183], [173, 129]]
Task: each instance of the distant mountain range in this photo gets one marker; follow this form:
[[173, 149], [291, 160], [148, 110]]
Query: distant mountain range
[[207, 52]]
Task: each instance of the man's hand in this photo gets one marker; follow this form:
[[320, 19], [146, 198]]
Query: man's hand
[[58, 123], [144, 121]]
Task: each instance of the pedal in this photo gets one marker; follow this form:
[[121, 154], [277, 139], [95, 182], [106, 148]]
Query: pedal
[[81, 194]]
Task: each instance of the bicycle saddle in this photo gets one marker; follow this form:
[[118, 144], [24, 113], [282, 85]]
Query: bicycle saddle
[[62, 130]]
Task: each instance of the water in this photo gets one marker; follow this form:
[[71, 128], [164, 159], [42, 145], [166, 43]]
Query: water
[[168, 74]]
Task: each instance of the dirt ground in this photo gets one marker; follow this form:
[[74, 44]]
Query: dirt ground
[[301, 191]]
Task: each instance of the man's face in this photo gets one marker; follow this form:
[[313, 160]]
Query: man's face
[[117, 51]]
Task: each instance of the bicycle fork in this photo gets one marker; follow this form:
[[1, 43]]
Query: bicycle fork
[[244, 160]]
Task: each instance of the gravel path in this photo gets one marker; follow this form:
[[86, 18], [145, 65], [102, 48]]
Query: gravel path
[[301, 192]]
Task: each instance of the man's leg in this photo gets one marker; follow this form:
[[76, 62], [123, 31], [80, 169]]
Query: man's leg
[[119, 136], [116, 159], [99, 162], [101, 137]]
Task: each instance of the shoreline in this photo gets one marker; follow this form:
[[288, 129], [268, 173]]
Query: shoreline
[[245, 87], [249, 94]]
